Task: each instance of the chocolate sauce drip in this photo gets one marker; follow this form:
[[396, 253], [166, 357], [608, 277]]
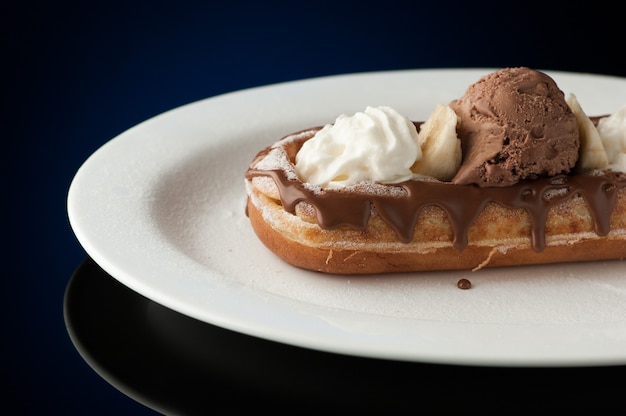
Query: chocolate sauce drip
[[461, 203]]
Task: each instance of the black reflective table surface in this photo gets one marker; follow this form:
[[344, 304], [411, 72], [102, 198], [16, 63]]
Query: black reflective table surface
[[175, 364]]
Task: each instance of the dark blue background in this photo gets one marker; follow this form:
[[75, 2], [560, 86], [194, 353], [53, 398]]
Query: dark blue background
[[76, 74]]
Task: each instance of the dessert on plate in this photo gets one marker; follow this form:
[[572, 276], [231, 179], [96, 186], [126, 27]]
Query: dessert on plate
[[510, 173]]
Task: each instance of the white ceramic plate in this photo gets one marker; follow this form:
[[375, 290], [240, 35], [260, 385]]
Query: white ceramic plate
[[161, 208]]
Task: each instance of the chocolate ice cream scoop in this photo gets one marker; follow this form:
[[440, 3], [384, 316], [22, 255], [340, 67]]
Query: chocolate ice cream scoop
[[514, 124]]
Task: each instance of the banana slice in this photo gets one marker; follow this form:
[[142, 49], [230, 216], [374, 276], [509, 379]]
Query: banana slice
[[440, 145], [592, 152], [612, 130]]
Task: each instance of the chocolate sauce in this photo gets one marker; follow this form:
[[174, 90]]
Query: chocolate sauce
[[464, 284], [461, 203]]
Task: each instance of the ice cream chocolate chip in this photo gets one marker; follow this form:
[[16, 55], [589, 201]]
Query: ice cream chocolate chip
[[514, 124]]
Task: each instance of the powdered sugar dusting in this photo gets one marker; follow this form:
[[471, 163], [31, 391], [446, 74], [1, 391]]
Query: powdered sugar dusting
[[278, 159], [275, 159]]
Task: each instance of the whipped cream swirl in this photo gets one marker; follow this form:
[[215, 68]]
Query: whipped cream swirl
[[378, 144]]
